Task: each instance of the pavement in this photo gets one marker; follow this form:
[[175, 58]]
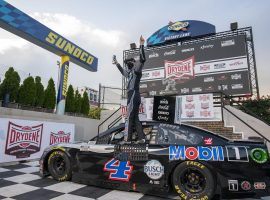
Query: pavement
[[22, 182]]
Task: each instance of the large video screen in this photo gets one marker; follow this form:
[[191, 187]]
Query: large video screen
[[202, 67]]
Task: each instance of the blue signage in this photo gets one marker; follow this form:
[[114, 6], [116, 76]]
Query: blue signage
[[180, 29], [21, 24]]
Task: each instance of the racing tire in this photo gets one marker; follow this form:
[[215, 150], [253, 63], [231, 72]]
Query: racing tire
[[59, 166], [193, 180]]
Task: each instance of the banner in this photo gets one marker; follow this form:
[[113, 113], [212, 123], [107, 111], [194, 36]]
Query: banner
[[26, 140], [192, 107], [208, 66]]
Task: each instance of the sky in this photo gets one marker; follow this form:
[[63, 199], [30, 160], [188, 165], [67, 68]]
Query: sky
[[107, 27]]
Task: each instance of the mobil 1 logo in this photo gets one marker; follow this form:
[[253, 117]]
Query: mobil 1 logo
[[237, 154]]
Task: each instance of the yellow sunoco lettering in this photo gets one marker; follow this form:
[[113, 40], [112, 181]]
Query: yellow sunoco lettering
[[69, 48], [77, 52], [83, 56], [90, 60], [65, 81], [51, 38], [61, 43]]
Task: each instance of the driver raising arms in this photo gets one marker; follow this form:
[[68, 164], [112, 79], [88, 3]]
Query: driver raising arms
[[133, 74]]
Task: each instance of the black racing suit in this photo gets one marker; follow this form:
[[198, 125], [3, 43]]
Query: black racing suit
[[133, 97]]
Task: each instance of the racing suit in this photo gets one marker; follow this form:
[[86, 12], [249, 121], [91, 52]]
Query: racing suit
[[133, 97]]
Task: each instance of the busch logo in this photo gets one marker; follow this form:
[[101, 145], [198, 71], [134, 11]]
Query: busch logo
[[60, 137], [22, 141], [181, 70]]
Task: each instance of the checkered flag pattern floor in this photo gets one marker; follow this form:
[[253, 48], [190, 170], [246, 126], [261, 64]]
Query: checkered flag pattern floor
[[22, 182]]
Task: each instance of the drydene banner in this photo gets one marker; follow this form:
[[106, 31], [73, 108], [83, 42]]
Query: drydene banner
[[26, 140]]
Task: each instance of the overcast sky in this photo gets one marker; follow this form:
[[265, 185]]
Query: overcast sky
[[104, 28]]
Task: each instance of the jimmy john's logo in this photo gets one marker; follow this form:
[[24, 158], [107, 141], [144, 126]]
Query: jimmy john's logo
[[181, 70], [22, 141], [59, 137], [178, 26]]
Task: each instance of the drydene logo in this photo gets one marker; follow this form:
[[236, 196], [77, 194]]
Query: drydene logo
[[181, 70], [22, 141], [214, 153], [59, 137]]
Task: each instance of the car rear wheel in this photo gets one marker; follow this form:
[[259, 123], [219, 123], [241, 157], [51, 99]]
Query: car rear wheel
[[193, 180], [59, 166]]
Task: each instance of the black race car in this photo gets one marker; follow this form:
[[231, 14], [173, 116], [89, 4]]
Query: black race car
[[176, 161]]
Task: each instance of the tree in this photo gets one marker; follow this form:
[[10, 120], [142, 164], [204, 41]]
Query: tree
[[50, 95], [78, 102], [39, 92], [85, 104], [70, 100], [11, 84], [94, 113], [27, 92]]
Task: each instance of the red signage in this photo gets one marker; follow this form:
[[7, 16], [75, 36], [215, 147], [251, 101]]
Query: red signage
[[59, 137], [22, 141]]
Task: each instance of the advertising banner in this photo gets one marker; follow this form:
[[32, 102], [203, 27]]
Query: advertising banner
[[26, 140], [142, 110], [203, 67], [195, 107]]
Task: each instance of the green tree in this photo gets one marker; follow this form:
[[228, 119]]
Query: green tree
[[11, 84], [94, 113], [27, 92], [50, 95], [259, 107], [78, 102], [39, 92], [70, 100], [85, 104]]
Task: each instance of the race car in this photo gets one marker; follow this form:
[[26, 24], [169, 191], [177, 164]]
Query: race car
[[177, 161]]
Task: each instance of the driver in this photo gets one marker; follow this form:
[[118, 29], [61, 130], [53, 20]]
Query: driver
[[133, 74]]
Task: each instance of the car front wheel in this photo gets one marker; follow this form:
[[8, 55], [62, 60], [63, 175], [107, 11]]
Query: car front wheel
[[59, 166]]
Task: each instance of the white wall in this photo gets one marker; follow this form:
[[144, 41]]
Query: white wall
[[239, 126], [85, 128]]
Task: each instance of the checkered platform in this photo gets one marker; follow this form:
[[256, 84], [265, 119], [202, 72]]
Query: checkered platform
[[22, 182]]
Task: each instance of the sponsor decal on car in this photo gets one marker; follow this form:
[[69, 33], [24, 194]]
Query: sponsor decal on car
[[226, 43], [59, 137], [119, 170], [259, 155], [259, 185], [154, 169], [22, 141], [154, 182], [245, 185], [181, 70], [214, 153], [208, 141], [168, 53], [237, 154], [233, 185]]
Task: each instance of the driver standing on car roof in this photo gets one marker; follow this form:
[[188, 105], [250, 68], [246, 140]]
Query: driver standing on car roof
[[133, 74]]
